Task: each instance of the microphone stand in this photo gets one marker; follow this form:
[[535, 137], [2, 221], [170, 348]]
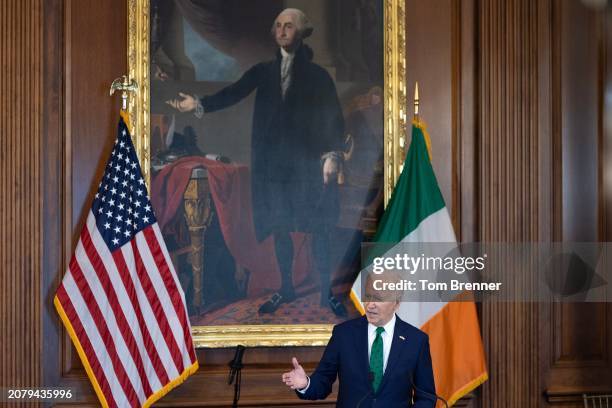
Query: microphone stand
[[435, 397], [371, 380], [235, 373]]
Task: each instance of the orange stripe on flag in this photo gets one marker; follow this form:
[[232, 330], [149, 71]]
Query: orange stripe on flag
[[456, 350]]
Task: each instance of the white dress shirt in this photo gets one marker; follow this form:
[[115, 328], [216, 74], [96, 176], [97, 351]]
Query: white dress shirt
[[387, 338]]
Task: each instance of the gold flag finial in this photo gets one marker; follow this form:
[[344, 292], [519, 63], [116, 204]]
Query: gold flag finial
[[416, 99], [125, 85]]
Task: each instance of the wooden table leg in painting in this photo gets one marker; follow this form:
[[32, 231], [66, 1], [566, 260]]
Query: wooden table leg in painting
[[198, 213]]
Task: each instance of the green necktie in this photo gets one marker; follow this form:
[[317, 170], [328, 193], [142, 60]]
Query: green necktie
[[376, 358]]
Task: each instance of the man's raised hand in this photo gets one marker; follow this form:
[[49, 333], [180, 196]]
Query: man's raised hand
[[187, 103], [296, 378]]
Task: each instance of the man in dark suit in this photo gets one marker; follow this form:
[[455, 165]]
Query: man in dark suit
[[380, 361]]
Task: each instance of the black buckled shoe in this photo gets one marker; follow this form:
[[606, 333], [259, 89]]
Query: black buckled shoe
[[337, 307], [274, 302]]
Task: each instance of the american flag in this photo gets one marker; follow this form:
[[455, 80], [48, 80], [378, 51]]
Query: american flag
[[120, 299]]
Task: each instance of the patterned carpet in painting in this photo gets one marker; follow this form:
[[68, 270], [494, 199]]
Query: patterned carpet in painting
[[305, 309]]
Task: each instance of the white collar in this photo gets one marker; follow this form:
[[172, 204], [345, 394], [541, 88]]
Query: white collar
[[389, 327], [285, 53]]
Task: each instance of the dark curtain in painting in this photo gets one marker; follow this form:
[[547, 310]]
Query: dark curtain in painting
[[237, 28]]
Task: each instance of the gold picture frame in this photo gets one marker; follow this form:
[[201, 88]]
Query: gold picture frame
[[395, 128]]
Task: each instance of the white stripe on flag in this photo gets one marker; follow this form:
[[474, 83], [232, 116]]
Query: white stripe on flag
[[157, 336], [437, 227], [91, 331], [109, 318], [164, 297], [125, 303], [184, 347], [417, 314], [160, 238]]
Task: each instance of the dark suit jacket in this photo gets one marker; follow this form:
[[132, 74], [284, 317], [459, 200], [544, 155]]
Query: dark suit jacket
[[346, 356]]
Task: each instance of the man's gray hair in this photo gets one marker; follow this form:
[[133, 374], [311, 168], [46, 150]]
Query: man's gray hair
[[384, 295], [303, 24]]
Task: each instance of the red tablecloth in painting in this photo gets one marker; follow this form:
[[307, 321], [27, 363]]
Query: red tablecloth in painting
[[230, 188]]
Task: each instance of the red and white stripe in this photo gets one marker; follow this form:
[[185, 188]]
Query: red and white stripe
[[128, 313]]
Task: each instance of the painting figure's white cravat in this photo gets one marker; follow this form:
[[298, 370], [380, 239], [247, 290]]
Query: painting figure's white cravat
[[286, 63]]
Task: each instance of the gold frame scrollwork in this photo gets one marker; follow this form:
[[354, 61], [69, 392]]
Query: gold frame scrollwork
[[395, 127]]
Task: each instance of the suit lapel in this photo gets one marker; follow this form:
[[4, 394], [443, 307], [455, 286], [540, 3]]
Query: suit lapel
[[397, 346]]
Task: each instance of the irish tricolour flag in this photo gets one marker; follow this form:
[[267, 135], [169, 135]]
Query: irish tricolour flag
[[417, 213]]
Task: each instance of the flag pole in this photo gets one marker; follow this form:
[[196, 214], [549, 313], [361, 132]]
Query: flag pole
[[416, 100], [417, 119]]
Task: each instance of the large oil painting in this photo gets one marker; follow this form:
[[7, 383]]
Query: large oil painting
[[268, 142]]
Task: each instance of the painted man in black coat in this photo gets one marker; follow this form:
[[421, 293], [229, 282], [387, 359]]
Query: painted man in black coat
[[297, 133]]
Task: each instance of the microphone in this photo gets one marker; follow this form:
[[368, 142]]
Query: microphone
[[236, 364], [370, 380], [235, 372], [434, 397]]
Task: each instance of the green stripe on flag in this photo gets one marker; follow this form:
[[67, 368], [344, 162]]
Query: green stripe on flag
[[416, 195]]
